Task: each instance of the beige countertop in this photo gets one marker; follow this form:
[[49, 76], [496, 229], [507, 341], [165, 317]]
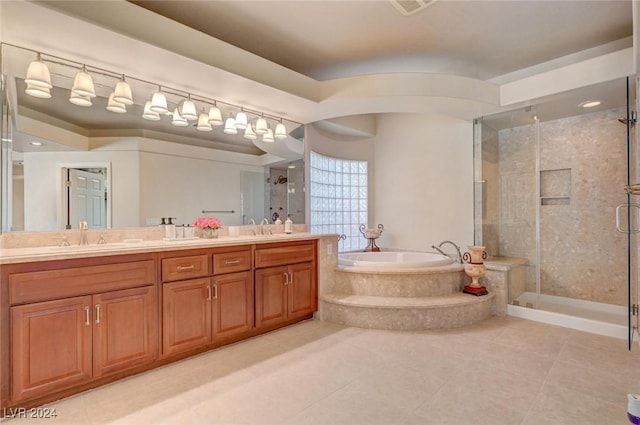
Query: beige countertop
[[46, 253]]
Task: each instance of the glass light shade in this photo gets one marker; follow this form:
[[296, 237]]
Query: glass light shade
[[114, 106], [241, 120], [37, 91], [188, 110], [281, 131], [38, 74], [122, 93], [159, 103], [83, 84], [177, 120], [249, 133], [203, 123], [148, 114], [215, 116], [79, 100], [230, 126], [268, 136], [261, 126]]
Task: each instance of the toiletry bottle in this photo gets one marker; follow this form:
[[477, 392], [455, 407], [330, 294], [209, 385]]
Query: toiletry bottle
[[170, 229], [288, 225]]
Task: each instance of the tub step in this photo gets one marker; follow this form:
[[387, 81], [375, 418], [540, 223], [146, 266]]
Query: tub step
[[406, 313]]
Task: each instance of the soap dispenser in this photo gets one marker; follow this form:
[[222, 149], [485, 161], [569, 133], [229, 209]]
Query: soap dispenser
[[288, 225], [170, 229]]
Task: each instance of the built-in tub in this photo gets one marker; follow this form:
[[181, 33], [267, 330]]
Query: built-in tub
[[393, 260]]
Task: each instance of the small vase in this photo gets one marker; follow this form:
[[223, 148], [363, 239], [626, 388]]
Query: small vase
[[209, 233], [474, 268]]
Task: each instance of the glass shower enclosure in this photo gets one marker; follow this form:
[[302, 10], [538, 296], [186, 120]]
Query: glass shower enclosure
[[549, 191]]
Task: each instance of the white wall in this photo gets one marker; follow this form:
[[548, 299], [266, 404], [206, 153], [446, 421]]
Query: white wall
[[41, 186], [192, 184], [423, 181]]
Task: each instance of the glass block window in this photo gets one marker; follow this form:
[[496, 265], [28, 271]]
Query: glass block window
[[339, 199]]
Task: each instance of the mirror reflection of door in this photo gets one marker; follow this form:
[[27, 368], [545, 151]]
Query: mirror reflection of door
[[87, 197], [252, 197]]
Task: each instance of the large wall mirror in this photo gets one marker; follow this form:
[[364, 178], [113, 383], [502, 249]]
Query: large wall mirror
[[63, 162]]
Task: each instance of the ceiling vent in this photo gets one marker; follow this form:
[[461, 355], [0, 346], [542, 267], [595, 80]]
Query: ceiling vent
[[409, 7]]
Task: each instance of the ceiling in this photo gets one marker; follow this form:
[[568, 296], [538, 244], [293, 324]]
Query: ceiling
[[334, 39], [326, 40]]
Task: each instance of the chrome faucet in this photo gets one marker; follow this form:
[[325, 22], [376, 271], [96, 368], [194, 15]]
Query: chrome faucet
[[437, 248], [83, 227], [252, 222], [262, 223]]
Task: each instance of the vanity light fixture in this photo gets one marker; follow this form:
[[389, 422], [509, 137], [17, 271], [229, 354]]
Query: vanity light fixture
[[203, 122], [115, 106], [188, 109], [122, 92], [249, 133], [230, 125], [36, 143], [241, 120], [38, 74], [159, 102], [83, 84], [80, 100], [215, 116], [589, 103], [268, 136], [281, 131], [37, 91], [177, 119], [261, 125], [148, 114]]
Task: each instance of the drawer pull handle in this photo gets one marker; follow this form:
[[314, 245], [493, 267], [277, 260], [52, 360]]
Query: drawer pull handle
[[215, 292], [97, 314], [208, 293], [290, 278], [231, 261], [185, 268], [87, 321], [286, 278]]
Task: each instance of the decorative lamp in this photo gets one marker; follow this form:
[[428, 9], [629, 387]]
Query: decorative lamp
[[177, 120], [83, 84], [148, 114], [159, 102], [38, 91], [249, 133], [261, 126], [115, 106], [268, 136], [38, 74], [241, 120], [203, 123], [230, 125], [122, 93], [188, 109], [281, 131], [215, 116]]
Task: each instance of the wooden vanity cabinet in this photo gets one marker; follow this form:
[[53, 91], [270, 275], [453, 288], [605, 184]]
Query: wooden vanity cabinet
[[285, 282], [59, 340], [215, 306]]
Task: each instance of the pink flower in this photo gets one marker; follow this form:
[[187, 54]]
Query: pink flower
[[207, 222]]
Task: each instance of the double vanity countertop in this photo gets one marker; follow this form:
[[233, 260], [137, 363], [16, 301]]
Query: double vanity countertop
[[46, 253]]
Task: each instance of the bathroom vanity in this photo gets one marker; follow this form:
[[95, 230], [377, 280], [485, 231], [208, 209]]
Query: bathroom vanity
[[76, 319]]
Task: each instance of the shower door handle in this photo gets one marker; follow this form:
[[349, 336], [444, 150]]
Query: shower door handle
[[623, 207]]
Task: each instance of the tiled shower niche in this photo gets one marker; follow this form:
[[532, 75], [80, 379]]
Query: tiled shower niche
[[555, 187]]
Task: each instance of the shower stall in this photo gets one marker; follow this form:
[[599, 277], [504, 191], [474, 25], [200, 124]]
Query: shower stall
[[550, 202]]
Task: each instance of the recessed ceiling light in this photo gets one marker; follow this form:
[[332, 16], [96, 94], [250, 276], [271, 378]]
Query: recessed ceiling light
[[35, 143], [589, 103]]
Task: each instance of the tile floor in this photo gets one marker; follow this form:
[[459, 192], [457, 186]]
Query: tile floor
[[501, 371]]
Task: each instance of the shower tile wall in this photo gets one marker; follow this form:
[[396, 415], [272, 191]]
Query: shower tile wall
[[582, 256]]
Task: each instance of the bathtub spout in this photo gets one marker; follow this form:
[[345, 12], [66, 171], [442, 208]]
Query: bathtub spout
[[438, 248]]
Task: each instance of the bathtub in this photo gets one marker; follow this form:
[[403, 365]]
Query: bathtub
[[393, 260]]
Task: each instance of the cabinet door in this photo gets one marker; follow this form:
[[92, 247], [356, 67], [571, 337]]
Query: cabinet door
[[50, 346], [124, 333], [271, 296], [301, 293], [233, 304], [186, 315]]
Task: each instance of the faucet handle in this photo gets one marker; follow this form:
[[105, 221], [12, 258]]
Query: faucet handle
[[83, 225], [102, 240], [64, 241]]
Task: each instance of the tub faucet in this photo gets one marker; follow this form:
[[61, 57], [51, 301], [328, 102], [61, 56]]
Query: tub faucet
[[437, 248], [262, 223], [83, 227]]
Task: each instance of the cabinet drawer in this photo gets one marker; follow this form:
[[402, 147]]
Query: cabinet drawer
[[53, 284], [180, 268], [230, 262], [289, 254]]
